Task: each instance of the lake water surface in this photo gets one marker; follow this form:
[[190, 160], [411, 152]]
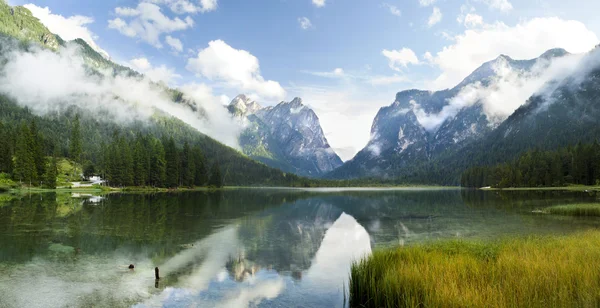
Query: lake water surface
[[238, 248]]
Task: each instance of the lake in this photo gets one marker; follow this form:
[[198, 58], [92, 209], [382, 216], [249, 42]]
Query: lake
[[238, 248]]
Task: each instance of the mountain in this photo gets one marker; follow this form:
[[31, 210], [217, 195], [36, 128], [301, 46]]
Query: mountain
[[23, 34], [287, 136], [421, 126]]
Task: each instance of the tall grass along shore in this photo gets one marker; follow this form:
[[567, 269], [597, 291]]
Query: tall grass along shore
[[560, 271], [578, 209]]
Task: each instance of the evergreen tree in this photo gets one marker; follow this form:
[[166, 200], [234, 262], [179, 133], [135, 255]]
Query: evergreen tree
[[6, 161], [200, 176], [24, 170], [140, 163], [188, 166], [172, 158], [215, 176], [51, 174], [157, 170], [75, 142], [37, 148]]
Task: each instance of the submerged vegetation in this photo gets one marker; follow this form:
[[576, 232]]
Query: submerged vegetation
[[519, 272], [581, 209]]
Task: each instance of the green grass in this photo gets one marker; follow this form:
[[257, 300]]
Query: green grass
[[568, 188], [556, 271], [581, 209]]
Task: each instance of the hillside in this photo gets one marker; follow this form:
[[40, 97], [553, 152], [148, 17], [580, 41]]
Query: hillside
[[21, 32]]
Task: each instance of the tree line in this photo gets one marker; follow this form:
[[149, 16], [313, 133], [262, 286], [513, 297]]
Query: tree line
[[579, 164], [31, 159], [148, 161]]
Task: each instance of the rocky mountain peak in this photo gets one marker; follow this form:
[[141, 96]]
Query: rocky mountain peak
[[242, 106]]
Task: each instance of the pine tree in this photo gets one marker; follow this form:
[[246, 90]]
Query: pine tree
[[157, 170], [200, 176], [24, 170], [51, 173], [6, 161], [215, 176], [37, 148], [188, 166], [172, 170], [75, 143], [140, 163]]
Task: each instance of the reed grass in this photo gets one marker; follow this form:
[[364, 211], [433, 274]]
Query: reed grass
[[582, 209], [561, 271]]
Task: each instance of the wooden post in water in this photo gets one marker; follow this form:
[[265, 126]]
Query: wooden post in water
[[157, 276]]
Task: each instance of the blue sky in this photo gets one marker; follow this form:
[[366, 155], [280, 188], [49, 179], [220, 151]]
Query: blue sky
[[345, 58]]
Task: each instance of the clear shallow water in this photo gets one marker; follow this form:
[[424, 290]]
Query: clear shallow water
[[243, 248]]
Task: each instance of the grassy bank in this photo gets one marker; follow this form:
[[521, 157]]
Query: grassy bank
[[567, 188], [522, 272], [581, 209]]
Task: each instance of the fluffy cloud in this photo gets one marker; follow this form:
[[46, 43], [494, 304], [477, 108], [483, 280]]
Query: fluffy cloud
[[393, 9], [238, 69], [505, 92], [525, 40], [305, 23], [48, 81], [147, 22], [346, 113], [336, 73], [473, 20], [400, 58], [69, 28], [175, 43], [436, 16], [501, 5], [156, 74], [187, 6], [426, 2], [319, 3]]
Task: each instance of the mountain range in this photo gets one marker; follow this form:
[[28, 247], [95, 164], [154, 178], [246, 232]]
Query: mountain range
[[431, 137], [503, 108], [287, 136]]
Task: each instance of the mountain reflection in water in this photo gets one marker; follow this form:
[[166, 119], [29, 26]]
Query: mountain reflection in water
[[239, 248]]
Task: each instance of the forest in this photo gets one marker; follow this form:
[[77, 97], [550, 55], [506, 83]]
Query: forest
[[579, 164], [163, 152]]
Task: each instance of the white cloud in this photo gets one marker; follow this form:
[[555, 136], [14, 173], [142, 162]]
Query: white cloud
[[156, 74], [187, 6], [175, 43], [68, 28], [525, 40], [426, 2], [428, 57], [393, 9], [436, 16], [47, 81], [473, 20], [336, 73], [319, 3], [501, 5], [147, 23], [237, 68], [505, 92], [400, 58], [304, 23], [346, 113]]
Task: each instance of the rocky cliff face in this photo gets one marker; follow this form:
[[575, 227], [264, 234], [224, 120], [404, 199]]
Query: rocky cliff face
[[420, 125], [286, 136]]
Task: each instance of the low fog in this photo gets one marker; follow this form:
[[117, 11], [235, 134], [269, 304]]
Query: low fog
[[506, 91], [47, 81]]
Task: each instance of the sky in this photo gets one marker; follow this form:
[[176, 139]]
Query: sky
[[344, 58]]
